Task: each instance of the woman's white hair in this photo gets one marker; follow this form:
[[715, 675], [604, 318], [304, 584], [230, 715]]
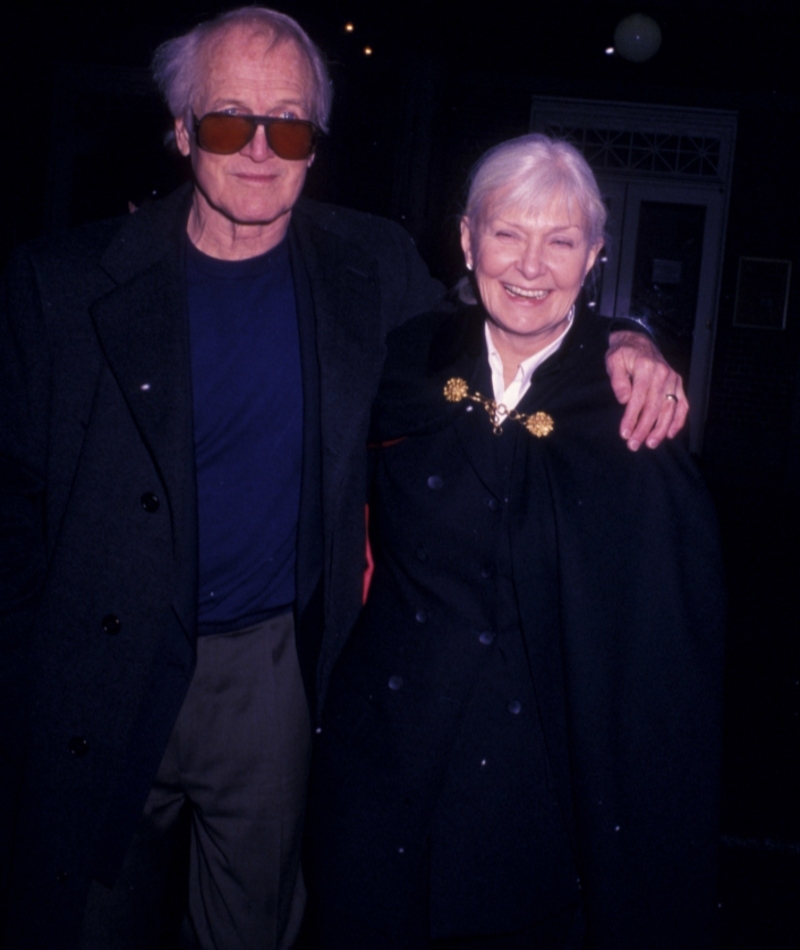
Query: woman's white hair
[[528, 173], [178, 63]]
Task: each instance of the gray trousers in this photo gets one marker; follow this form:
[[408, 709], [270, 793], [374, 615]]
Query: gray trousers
[[237, 760]]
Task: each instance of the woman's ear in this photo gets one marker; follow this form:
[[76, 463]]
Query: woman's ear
[[593, 252], [466, 242]]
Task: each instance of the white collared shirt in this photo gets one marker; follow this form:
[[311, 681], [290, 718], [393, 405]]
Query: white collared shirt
[[510, 397]]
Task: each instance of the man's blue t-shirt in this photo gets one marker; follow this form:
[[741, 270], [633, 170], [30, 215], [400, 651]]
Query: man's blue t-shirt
[[248, 413]]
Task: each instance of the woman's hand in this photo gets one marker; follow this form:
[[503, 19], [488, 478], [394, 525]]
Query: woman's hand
[[651, 391]]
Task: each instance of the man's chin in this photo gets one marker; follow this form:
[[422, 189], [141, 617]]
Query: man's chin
[[242, 210], [231, 231]]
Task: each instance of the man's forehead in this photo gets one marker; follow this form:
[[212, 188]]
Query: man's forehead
[[251, 54], [257, 43]]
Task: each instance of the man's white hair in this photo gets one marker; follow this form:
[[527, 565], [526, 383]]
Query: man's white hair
[[178, 63]]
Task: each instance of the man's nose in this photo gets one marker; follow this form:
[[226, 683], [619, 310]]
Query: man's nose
[[257, 149]]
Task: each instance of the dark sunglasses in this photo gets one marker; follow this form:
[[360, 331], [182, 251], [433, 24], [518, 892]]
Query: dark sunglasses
[[225, 134]]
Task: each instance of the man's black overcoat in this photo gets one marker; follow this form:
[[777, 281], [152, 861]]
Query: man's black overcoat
[[98, 581], [614, 565]]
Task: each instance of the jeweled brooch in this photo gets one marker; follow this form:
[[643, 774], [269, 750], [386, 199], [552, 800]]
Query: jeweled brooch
[[539, 424]]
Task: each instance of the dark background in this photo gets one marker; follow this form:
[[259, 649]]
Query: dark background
[[83, 136]]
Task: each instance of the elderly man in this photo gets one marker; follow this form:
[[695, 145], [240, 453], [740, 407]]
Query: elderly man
[[185, 398]]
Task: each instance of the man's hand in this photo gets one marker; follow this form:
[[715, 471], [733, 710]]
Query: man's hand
[[648, 387]]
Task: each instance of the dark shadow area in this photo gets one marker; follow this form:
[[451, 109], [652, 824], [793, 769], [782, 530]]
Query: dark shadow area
[[759, 891], [760, 879]]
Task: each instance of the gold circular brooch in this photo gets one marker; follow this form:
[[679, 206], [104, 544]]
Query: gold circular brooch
[[539, 424], [456, 389]]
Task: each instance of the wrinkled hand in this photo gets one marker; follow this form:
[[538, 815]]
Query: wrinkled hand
[[642, 380]]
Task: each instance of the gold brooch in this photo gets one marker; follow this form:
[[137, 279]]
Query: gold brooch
[[539, 424]]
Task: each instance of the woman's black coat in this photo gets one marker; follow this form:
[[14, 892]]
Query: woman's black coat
[[611, 558]]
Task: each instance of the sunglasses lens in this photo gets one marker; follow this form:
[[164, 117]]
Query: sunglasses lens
[[292, 139], [224, 134]]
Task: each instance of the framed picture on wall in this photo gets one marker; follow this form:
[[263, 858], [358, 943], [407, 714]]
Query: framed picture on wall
[[762, 293]]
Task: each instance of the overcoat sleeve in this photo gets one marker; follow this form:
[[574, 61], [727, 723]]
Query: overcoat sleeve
[[97, 591]]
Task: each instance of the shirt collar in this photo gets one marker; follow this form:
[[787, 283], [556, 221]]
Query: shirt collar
[[511, 396]]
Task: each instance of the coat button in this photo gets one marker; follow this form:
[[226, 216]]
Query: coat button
[[435, 482], [494, 504], [150, 502], [395, 682], [111, 624], [514, 707], [421, 616], [486, 638], [487, 571], [78, 746]]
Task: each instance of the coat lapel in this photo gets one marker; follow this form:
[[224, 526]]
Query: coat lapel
[[142, 327], [473, 426], [346, 301]]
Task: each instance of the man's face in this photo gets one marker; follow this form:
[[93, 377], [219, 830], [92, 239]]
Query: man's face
[[245, 74]]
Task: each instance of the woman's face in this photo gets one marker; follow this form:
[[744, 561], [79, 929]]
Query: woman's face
[[529, 269]]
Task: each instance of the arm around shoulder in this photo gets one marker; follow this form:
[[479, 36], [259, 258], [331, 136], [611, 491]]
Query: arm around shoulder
[[651, 391]]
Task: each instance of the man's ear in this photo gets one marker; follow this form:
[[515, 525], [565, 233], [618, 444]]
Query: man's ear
[[182, 137]]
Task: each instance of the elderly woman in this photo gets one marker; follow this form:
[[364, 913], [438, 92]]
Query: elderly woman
[[519, 744]]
